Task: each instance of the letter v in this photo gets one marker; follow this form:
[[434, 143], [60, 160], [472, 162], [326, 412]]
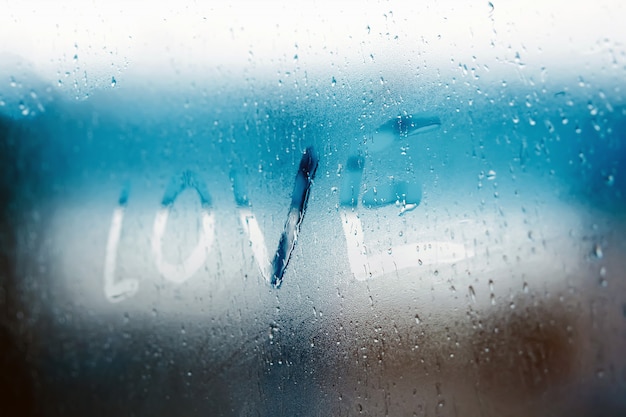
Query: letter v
[[273, 271]]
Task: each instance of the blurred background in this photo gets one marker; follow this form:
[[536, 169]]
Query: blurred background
[[148, 155]]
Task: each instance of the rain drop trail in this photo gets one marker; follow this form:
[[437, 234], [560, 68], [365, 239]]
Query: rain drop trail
[[299, 198]]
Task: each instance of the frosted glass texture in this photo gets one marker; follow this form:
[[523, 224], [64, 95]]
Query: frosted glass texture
[[313, 209]]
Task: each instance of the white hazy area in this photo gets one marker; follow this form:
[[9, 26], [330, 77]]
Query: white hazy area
[[104, 43]]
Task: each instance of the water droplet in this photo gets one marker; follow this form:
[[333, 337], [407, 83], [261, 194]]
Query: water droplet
[[417, 319], [273, 329], [333, 82], [113, 81], [491, 175], [610, 180], [472, 294], [407, 207], [597, 251]]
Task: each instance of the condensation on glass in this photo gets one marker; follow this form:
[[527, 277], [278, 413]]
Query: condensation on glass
[[313, 209]]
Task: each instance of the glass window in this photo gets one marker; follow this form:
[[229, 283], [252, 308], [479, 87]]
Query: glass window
[[313, 208]]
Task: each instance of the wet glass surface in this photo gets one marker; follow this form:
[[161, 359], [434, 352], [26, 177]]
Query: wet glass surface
[[313, 209]]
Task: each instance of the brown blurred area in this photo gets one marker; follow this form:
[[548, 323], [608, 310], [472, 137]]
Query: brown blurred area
[[555, 355], [536, 360]]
